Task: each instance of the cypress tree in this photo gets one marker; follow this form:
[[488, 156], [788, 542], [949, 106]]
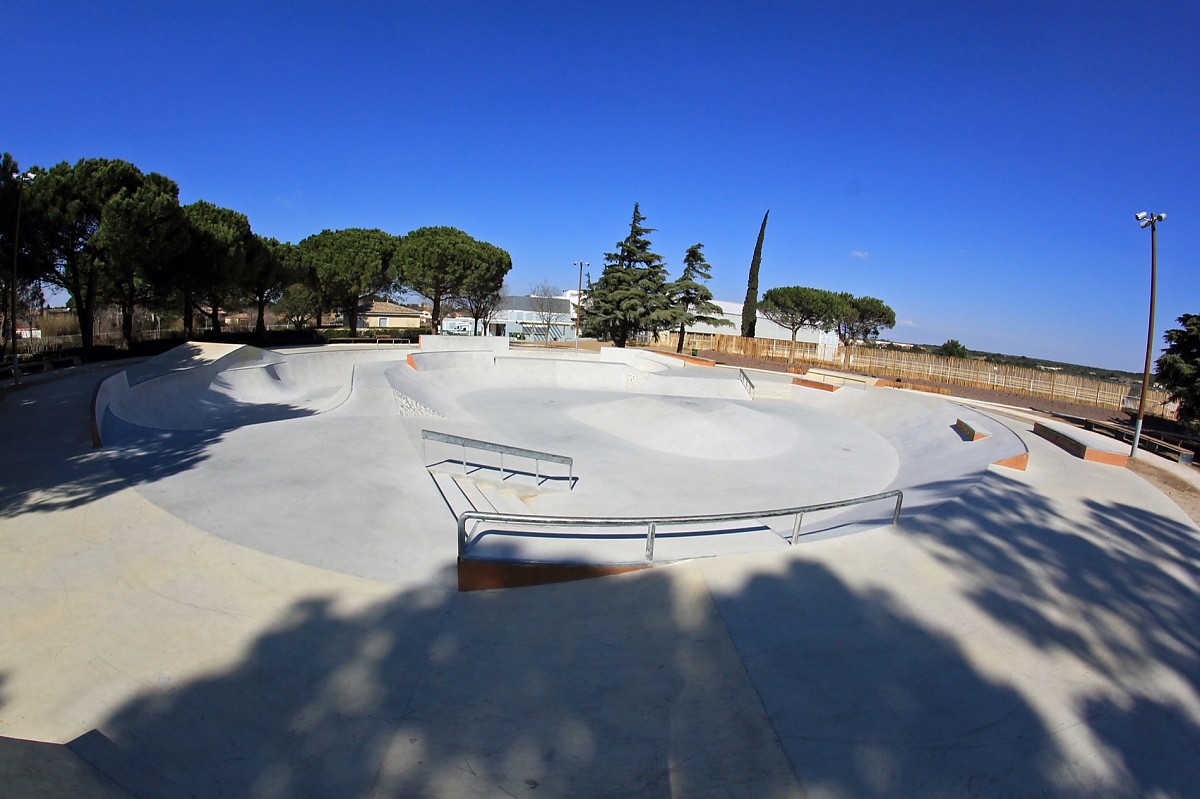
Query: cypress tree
[[750, 308]]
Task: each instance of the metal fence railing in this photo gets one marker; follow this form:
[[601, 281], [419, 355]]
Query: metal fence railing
[[652, 523]]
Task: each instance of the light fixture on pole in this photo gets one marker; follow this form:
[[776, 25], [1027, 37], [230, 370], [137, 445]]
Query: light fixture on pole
[[1151, 221], [16, 363], [579, 300]]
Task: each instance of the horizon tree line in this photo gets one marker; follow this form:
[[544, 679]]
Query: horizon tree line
[[110, 235], [633, 296]]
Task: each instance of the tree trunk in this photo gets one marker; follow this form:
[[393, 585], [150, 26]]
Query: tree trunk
[[85, 309], [352, 316], [682, 331], [792, 352], [87, 325], [127, 320], [189, 317], [260, 327]]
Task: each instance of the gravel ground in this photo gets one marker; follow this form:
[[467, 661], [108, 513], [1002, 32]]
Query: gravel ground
[[1185, 494]]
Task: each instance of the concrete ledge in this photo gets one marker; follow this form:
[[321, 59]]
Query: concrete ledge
[[800, 381], [460, 343], [481, 575], [968, 431], [881, 383], [692, 359], [1079, 444]]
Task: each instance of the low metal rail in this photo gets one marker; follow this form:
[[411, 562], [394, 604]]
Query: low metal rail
[[651, 523], [746, 382], [503, 449]]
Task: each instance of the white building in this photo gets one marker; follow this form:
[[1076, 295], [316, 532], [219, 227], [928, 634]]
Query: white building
[[523, 317]]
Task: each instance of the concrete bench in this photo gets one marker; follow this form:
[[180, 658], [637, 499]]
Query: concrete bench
[[41, 365], [1155, 445], [837, 378], [802, 381], [970, 431], [1082, 444]]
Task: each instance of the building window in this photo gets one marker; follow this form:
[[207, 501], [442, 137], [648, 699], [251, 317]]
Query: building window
[[384, 322]]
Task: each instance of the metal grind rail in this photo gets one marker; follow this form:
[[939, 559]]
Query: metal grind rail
[[503, 449], [747, 383], [651, 523]]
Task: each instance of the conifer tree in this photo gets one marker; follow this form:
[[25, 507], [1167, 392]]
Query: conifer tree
[[631, 295], [692, 299], [750, 308]]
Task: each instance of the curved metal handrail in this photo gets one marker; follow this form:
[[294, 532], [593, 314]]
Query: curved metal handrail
[[652, 522]]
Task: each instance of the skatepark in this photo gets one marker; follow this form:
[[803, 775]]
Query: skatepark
[[251, 586]]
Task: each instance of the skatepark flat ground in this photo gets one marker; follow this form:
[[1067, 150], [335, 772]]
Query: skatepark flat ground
[[1034, 633]]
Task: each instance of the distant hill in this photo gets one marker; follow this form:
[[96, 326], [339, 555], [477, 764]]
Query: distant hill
[[1079, 370]]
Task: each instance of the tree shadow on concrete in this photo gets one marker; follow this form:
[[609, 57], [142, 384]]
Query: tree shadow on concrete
[[867, 702], [1112, 586], [54, 465], [613, 687], [482, 694]]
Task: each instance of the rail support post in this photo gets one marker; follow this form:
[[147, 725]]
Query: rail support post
[[796, 528], [650, 541]]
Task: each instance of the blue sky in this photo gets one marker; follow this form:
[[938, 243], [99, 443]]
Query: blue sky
[[975, 165]]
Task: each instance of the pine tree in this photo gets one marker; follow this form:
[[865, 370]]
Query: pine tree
[[691, 298], [631, 295], [750, 308]]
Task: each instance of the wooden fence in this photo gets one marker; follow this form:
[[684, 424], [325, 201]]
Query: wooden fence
[[920, 366]]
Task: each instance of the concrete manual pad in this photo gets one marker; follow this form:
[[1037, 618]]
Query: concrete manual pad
[[1025, 634]]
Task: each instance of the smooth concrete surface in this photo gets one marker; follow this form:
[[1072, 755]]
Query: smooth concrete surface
[[1034, 634]]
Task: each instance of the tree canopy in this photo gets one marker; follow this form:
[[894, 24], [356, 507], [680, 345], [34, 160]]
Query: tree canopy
[[214, 267], [631, 295], [142, 232], [1178, 368], [482, 286], [66, 208], [953, 348], [691, 299], [861, 319], [352, 265], [795, 307], [270, 264], [437, 262]]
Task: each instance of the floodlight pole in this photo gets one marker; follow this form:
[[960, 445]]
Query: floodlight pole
[[579, 301], [1151, 221], [16, 362]]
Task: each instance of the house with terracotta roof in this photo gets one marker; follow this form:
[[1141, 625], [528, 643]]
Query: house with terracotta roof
[[380, 313]]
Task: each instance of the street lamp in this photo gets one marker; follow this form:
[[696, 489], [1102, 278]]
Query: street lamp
[[579, 300], [1151, 221], [12, 295]]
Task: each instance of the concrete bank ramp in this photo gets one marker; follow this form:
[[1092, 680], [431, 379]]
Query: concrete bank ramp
[[202, 386]]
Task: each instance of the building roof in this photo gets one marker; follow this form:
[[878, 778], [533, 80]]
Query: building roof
[[557, 305], [382, 308]]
